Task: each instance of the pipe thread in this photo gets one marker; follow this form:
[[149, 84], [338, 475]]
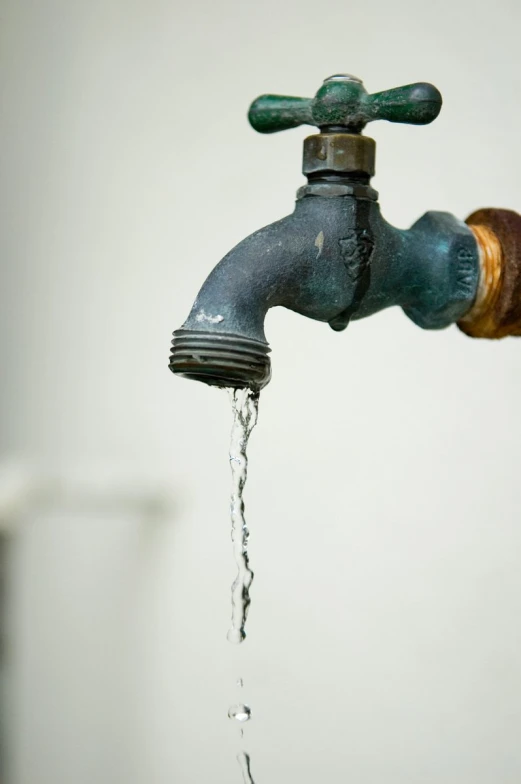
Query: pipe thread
[[479, 322]]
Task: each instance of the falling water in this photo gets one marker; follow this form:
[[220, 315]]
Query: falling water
[[239, 712], [245, 405], [244, 761]]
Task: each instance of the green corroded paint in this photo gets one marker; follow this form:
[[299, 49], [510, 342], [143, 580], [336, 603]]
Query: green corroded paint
[[279, 112], [335, 259], [346, 104]]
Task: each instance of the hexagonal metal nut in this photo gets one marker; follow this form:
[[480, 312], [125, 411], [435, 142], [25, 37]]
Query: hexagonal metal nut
[[339, 153]]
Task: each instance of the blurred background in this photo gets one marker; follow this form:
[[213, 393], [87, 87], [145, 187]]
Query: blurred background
[[383, 497]]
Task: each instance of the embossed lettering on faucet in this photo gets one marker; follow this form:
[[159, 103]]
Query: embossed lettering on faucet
[[465, 271], [356, 249]]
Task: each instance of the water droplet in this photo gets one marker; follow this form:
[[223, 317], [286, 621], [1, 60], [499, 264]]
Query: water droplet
[[236, 636], [239, 712]]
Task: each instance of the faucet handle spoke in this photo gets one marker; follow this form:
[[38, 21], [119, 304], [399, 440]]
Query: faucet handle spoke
[[272, 113], [343, 104], [414, 104]]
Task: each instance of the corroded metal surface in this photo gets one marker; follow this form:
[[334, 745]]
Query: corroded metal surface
[[335, 259], [342, 102], [496, 312], [478, 322], [339, 153]]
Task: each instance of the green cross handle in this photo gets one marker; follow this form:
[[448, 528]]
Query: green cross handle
[[343, 104]]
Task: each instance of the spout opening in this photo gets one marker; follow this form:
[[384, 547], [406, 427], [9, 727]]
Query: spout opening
[[222, 360]]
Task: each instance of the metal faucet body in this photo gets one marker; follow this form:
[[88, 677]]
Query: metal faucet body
[[335, 258]]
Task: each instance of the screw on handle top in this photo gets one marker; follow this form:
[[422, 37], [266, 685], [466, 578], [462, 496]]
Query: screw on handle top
[[343, 104]]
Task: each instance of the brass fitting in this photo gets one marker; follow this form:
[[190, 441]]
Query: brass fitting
[[479, 322], [339, 153], [496, 312]]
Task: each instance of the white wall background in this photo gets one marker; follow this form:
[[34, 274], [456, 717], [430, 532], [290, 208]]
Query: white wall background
[[384, 494]]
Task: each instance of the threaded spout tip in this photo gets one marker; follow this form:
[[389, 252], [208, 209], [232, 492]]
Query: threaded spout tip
[[222, 360]]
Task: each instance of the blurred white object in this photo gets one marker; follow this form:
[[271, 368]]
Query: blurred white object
[[75, 560]]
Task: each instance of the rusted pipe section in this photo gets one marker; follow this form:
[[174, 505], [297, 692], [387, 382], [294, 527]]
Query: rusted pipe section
[[496, 312]]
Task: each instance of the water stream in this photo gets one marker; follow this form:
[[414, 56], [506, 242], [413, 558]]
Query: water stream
[[244, 761], [245, 407]]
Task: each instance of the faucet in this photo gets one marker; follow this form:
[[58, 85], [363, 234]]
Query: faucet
[[336, 259]]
